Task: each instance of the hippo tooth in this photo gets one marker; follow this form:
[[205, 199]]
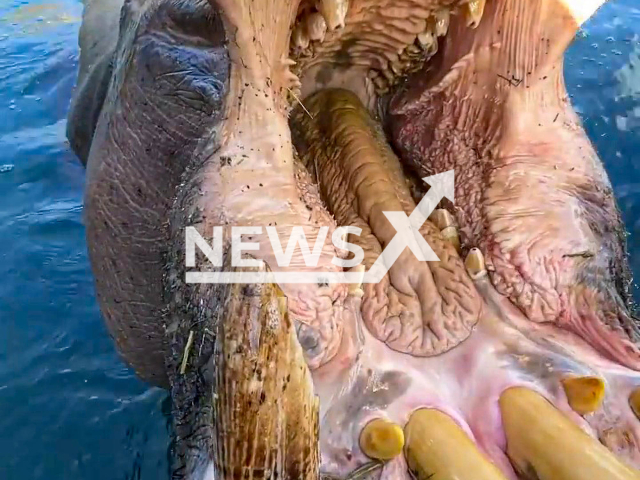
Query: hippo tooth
[[299, 37], [634, 402], [381, 439], [413, 50], [442, 22], [436, 446], [396, 67], [334, 12], [474, 11], [450, 234], [475, 265], [543, 440], [388, 74], [380, 83], [426, 39], [441, 218], [293, 84], [584, 394], [291, 79], [355, 289], [316, 27]]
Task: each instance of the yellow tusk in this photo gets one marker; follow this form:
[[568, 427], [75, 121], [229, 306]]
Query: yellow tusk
[[545, 444], [381, 439], [438, 449], [634, 402], [584, 394]]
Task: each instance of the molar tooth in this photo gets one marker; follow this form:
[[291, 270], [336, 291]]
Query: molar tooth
[[442, 218], [450, 234], [316, 27], [437, 447], [442, 22], [474, 11], [381, 439], [396, 67], [426, 39], [413, 50], [475, 264], [380, 83], [355, 289], [584, 394], [543, 441], [299, 38], [428, 42], [333, 11]]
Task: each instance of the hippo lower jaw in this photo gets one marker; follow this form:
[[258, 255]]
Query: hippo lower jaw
[[519, 362]]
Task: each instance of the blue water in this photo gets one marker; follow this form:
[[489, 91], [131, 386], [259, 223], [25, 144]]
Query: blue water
[[69, 409]]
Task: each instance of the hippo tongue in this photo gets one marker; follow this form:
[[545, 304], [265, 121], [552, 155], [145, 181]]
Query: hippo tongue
[[421, 308]]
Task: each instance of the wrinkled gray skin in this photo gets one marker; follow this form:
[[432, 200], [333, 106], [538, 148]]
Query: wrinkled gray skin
[[129, 97], [163, 119]]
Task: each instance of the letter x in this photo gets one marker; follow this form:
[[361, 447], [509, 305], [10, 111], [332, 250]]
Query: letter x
[[408, 228]]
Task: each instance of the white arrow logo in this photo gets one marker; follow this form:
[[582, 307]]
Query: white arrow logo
[[408, 228]]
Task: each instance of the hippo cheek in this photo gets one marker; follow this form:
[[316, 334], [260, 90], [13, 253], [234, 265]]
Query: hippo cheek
[[513, 355]]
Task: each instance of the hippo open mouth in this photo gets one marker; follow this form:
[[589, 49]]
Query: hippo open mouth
[[514, 356]]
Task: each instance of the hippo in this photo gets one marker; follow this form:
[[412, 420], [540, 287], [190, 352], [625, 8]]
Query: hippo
[[498, 341]]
